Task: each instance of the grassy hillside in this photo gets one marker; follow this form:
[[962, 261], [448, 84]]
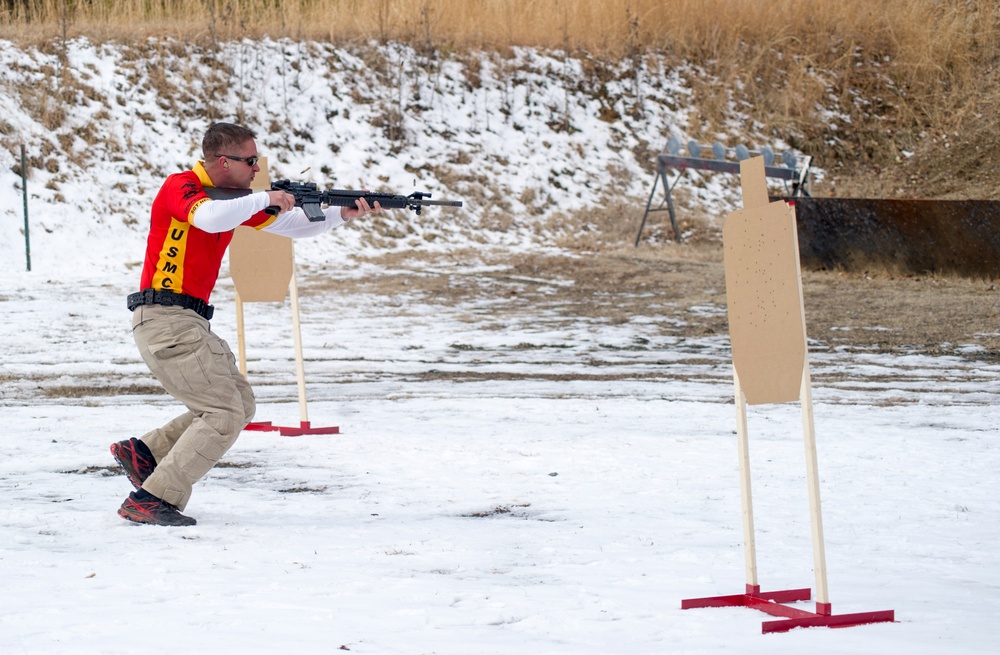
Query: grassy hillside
[[893, 97]]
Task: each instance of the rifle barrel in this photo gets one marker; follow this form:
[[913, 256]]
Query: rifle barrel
[[441, 203]]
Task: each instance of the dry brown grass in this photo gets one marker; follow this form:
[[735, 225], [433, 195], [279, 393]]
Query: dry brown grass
[[930, 38], [929, 35], [900, 73]]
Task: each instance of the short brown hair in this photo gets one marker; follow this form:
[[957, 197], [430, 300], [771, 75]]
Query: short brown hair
[[222, 136]]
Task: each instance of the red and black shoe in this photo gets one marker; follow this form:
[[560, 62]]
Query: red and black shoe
[[143, 507], [134, 456]]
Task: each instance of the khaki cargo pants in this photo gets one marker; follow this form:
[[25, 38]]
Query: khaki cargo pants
[[197, 368]]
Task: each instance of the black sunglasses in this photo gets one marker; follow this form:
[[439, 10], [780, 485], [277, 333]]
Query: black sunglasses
[[250, 161]]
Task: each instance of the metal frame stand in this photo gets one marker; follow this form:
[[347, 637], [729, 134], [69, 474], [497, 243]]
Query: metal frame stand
[[771, 602], [795, 171], [661, 174], [305, 427]]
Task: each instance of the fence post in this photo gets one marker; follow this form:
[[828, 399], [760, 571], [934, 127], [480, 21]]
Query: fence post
[[24, 192]]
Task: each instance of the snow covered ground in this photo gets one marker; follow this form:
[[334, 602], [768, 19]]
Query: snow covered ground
[[478, 515], [550, 487]]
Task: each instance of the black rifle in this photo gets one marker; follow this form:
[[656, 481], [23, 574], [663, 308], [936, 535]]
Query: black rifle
[[310, 198]]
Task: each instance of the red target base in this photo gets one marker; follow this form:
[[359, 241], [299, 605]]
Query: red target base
[[305, 427], [771, 603]]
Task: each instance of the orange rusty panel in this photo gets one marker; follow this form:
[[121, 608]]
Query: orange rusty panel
[[764, 298], [900, 235]]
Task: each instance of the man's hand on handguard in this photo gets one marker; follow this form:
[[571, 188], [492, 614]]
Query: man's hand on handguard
[[362, 208]]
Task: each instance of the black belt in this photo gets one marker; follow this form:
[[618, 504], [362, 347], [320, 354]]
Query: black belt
[[161, 297]]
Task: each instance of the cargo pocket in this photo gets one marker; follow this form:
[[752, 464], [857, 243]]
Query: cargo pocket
[[184, 342], [220, 347]]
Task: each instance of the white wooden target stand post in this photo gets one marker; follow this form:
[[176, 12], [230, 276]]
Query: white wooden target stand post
[[262, 266], [768, 336]]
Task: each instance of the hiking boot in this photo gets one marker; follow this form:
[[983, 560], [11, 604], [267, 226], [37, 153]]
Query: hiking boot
[[143, 507], [134, 456]]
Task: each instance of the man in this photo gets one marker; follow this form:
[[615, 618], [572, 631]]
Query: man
[[188, 236]]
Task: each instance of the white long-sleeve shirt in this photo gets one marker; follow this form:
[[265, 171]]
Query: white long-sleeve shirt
[[223, 215]]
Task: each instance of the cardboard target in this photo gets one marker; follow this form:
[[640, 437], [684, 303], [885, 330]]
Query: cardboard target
[[764, 294], [260, 263]]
